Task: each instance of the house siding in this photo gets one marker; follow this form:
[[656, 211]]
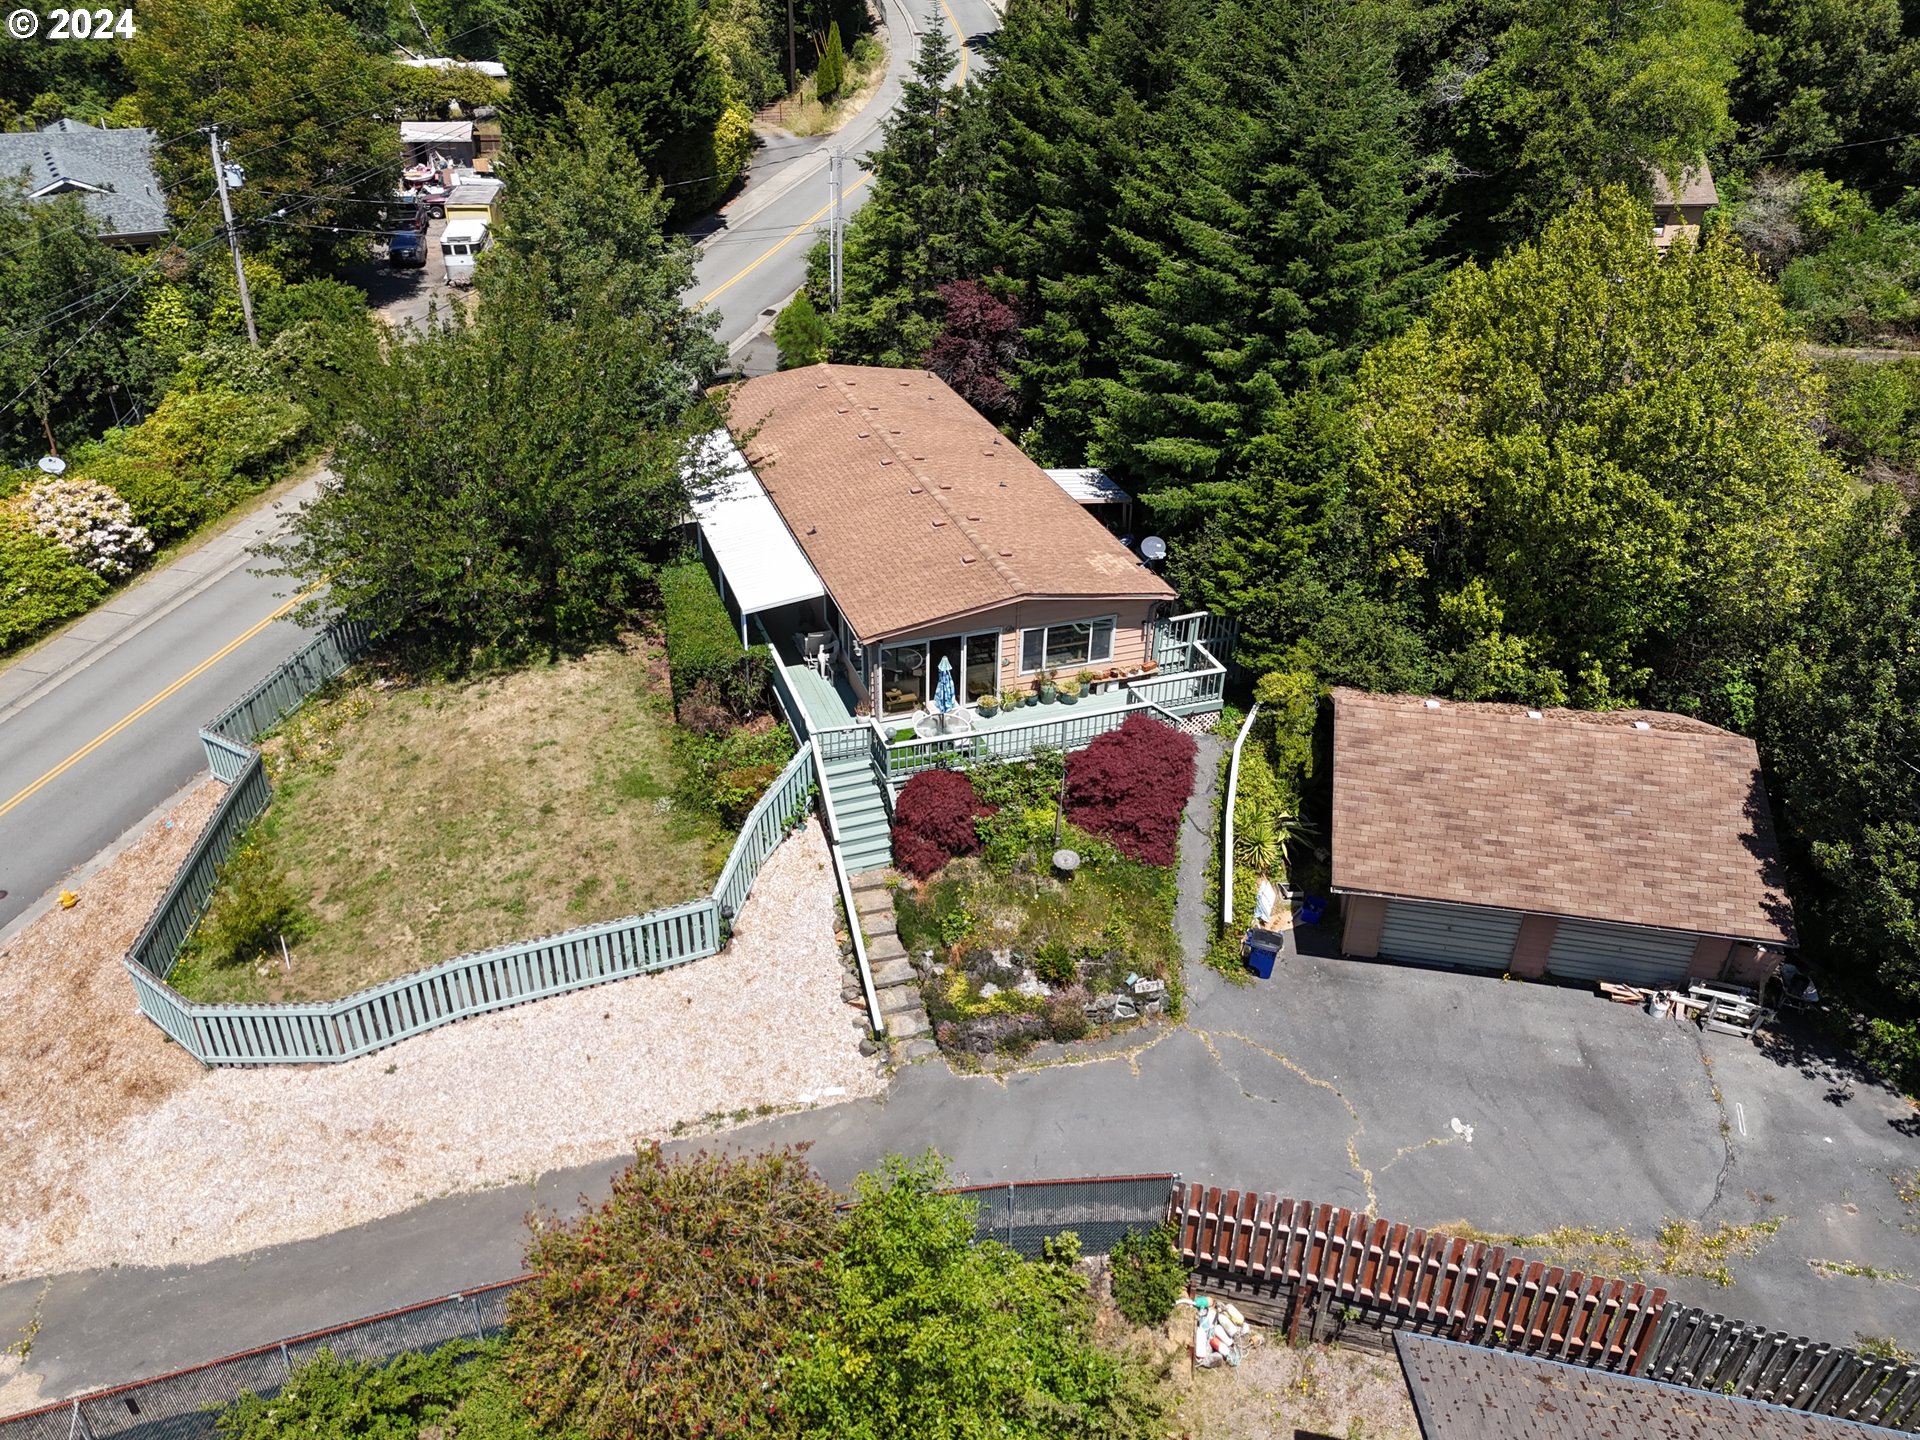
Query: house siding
[[1131, 631]]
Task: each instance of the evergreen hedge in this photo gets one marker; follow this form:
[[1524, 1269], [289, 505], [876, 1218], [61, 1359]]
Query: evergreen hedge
[[704, 654]]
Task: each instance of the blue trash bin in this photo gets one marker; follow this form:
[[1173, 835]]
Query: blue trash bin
[[1262, 947], [1312, 910]]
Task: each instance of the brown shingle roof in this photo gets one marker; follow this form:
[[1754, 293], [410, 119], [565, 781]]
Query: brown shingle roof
[[1465, 1392], [911, 506], [1574, 813]]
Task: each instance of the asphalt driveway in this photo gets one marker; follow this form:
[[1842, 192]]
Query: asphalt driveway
[[1337, 1080]]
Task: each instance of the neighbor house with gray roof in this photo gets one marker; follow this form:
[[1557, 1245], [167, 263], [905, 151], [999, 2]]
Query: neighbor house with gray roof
[[110, 170]]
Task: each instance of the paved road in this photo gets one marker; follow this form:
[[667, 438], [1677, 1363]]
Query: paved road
[[97, 727], [1336, 1081]]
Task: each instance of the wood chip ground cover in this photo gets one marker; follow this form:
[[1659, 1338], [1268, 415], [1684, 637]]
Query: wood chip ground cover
[[119, 1150], [419, 822]]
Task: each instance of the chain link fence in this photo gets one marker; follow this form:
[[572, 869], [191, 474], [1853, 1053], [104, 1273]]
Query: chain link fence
[[185, 1404], [1025, 1214]]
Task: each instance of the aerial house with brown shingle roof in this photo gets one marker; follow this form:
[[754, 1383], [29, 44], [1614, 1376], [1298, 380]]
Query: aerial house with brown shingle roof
[[1629, 846], [869, 525]]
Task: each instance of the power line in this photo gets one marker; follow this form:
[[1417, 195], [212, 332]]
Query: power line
[[53, 364]]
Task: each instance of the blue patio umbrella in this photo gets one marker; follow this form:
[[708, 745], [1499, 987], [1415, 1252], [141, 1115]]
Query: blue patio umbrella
[[943, 699]]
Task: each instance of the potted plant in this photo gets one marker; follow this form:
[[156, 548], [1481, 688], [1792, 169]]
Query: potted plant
[[1068, 690], [1045, 687], [1087, 681], [989, 705]]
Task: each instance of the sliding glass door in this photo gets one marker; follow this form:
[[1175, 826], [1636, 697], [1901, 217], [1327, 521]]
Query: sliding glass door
[[910, 673]]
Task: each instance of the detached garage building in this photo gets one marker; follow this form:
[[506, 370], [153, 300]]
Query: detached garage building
[[1631, 846]]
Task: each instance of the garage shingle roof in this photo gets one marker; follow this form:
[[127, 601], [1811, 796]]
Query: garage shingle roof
[[1572, 813], [912, 507], [1465, 1392]]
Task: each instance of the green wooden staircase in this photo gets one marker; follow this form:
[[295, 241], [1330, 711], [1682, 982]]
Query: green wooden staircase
[[860, 812]]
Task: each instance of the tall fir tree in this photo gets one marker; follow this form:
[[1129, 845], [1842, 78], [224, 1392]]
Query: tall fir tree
[[1072, 97], [926, 222], [1290, 243]]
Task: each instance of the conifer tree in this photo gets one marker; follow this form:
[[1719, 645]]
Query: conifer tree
[[832, 73], [926, 223], [1290, 243]]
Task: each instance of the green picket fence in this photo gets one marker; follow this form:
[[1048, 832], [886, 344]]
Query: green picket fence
[[238, 1034]]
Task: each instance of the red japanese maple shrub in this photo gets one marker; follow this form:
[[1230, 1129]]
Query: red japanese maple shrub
[[933, 821], [1130, 786]]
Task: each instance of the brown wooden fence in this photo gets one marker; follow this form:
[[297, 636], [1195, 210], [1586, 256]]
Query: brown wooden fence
[[1322, 1272], [1317, 1270]]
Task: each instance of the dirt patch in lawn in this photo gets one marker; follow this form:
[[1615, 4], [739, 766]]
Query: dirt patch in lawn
[[413, 823], [76, 1056], [1277, 1392]]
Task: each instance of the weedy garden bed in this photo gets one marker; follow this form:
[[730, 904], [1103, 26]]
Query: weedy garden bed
[[1013, 948]]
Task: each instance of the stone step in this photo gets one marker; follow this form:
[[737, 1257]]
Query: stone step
[[884, 947], [873, 881], [890, 974], [899, 1000], [922, 1048], [876, 901], [907, 1025]]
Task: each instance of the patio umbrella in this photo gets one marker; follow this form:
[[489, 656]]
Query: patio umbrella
[[943, 699]]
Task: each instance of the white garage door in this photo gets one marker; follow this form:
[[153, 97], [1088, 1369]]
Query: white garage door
[[1449, 934], [1628, 954]]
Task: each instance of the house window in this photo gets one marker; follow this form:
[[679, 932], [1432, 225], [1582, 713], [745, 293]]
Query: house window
[[1054, 647], [910, 674]]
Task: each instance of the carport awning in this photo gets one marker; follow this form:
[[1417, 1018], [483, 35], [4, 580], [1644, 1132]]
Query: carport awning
[[764, 565]]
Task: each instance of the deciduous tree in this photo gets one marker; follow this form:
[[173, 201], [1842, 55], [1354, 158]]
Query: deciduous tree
[[302, 108], [1597, 468], [644, 60]]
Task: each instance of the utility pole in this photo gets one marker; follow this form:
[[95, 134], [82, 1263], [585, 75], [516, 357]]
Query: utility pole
[[233, 236], [793, 67], [834, 246]]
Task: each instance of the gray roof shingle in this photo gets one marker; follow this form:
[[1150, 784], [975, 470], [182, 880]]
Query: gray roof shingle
[[110, 170], [1466, 1392]]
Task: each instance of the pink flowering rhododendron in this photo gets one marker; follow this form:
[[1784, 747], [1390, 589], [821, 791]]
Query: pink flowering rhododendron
[[88, 521]]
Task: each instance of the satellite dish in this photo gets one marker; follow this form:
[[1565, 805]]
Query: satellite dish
[[53, 465], [1154, 548]]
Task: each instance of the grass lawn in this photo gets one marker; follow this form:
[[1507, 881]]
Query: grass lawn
[[412, 823]]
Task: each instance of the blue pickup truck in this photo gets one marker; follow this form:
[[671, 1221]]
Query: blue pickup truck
[[407, 238], [407, 250]]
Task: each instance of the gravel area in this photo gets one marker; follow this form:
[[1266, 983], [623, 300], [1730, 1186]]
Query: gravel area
[[232, 1160]]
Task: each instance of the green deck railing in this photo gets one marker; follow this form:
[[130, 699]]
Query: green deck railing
[[245, 1034]]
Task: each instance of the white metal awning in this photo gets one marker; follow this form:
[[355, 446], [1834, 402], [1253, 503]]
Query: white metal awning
[[1090, 487], [764, 565], [436, 132]]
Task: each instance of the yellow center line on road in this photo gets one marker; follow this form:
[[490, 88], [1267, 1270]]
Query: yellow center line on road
[[959, 35], [821, 213], [187, 679], [784, 241]]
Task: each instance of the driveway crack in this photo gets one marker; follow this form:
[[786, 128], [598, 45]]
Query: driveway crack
[[1726, 1128]]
